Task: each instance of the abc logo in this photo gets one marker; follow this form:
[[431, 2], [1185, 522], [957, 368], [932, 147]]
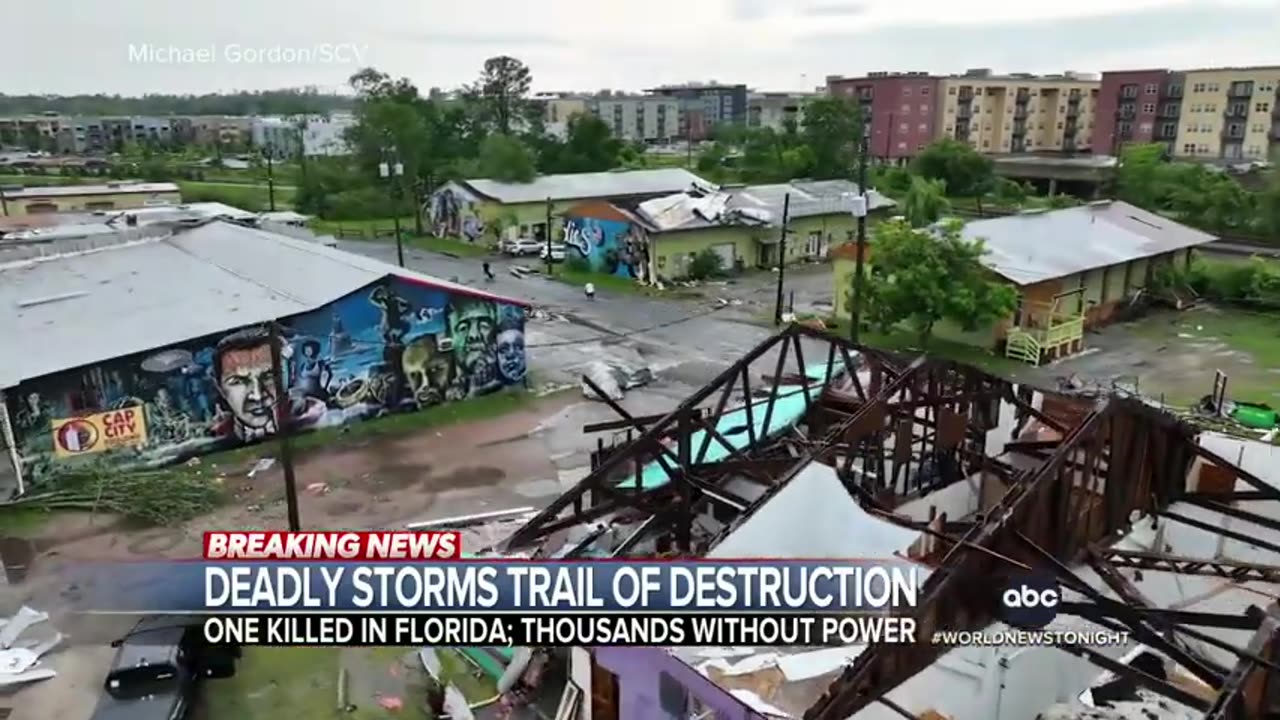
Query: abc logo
[[1029, 601]]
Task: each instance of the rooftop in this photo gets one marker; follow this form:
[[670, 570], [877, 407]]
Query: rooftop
[[752, 204], [1034, 246], [76, 190], [134, 296], [584, 186]]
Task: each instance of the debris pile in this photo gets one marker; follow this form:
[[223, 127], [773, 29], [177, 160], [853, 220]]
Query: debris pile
[[612, 379], [19, 657]]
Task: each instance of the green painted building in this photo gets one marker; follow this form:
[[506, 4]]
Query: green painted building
[[742, 224], [484, 210]]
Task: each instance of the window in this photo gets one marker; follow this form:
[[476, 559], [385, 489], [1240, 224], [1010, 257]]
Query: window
[[1144, 128], [922, 127], [902, 145], [1262, 107], [903, 127], [1059, 124], [986, 144], [951, 111], [951, 91], [906, 109], [906, 92], [1168, 129], [924, 109], [1203, 149], [1187, 149], [1258, 128], [1213, 87], [1148, 107], [924, 89], [1212, 107], [1151, 89], [1197, 88]]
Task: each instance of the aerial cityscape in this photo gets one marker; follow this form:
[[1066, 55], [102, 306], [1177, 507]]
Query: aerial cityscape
[[816, 360]]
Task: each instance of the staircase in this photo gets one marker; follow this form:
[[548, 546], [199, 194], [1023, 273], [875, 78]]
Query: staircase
[[1023, 346]]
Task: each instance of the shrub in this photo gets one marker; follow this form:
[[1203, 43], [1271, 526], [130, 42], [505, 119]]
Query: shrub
[[706, 264], [578, 264]]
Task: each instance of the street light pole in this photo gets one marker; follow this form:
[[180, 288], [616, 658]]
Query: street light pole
[[782, 257], [547, 233], [393, 173], [271, 180], [860, 207]]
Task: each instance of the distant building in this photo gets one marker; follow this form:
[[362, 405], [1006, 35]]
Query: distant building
[[703, 106], [776, 110], [899, 109], [558, 109], [324, 136], [1137, 106], [277, 136], [111, 196], [641, 118]]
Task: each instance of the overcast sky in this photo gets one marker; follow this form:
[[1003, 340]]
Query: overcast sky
[[85, 45]]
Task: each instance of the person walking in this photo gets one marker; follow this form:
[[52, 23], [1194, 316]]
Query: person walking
[[488, 273], [591, 291]]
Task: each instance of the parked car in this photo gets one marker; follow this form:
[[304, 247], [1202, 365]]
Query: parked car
[[158, 667], [522, 246], [557, 252]]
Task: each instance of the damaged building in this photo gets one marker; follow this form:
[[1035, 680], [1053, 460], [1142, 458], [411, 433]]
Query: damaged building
[[810, 446]]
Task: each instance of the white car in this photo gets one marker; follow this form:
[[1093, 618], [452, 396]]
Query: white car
[[522, 246], [557, 252]]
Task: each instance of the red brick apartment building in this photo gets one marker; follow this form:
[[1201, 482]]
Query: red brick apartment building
[[901, 106], [1137, 106]]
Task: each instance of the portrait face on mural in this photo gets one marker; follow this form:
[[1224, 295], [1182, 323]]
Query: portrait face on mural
[[510, 352], [472, 324], [246, 383], [428, 370]]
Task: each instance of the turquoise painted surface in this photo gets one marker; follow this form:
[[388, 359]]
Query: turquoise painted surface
[[788, 408], [484, 660]]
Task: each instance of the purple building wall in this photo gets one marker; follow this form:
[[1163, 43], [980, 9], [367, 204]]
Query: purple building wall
[[1145, 116], [639, 672], [895, 102]]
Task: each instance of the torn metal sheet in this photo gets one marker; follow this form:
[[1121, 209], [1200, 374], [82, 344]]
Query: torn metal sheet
[[18, 624], [26, 677]]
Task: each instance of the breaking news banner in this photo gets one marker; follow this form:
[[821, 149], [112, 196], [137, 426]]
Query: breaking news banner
[[414, 588]]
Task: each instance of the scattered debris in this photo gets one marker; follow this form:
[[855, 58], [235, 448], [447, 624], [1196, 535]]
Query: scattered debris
[[262, 465], [318, 488], [20, 665], [391, 703], [613, 380], [465, 521], [193, 462]]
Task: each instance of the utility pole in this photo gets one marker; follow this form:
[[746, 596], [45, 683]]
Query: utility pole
[[550, 268], [861, 205], [782, 256], [393, 173], [271, 180], [283, 427]]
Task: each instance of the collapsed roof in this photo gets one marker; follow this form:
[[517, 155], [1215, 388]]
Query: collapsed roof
[[961, 471]]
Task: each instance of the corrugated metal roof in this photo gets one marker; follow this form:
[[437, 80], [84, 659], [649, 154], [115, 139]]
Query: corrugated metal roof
[[1032, 247], [70, 310], [108, 189], [581, 186], [754, 205]]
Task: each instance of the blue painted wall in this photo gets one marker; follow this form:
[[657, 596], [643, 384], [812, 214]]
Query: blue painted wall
[[392, 346], [610, 246]]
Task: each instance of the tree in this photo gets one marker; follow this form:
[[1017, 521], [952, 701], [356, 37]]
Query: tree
[[923, 276], [1140, 174], [966, 173], [832, 130], [502, 89], [505, 158], [925, 201], [1009, 193], [1269, 205], [589, 147]]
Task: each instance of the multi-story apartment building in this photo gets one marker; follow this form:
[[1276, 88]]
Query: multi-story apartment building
[[225, 130], [899, 109], [1018, 113], [34, 132], [1137, 106], [1213, 114], [278, 137], [776, 110], [641, 118], [326, 135], [558, 109], [703, 106]]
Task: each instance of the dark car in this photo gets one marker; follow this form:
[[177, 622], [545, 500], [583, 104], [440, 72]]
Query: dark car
[[158, 667]]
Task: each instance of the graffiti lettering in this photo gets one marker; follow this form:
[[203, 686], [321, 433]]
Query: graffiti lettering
[[121, 423], [610, 246]]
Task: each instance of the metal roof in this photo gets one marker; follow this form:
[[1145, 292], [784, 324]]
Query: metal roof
[[73, 190], [1032, 247], [583, 186], [71, 310], [753, 205]]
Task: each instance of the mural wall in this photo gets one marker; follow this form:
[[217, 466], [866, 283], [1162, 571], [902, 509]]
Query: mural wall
[[393, 346], [610, 246], [451, 212]]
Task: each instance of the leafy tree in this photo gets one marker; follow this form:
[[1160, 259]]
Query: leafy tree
[[1009, 193], [923, 276], [1062, 200], [505, 158], [891, 180], [966, 173], [925, 202], [706, 264], [502, 92], [589, 147], [1269, 205], [832, 130], [1140, 174]]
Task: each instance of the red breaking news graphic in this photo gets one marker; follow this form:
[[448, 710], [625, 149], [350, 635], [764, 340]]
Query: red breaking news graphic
[[329, 546]]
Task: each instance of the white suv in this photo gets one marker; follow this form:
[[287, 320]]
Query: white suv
[[522, 246]]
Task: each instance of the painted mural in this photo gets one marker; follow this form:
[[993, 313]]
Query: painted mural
[[615, 247], [391, 347], [451, 213]]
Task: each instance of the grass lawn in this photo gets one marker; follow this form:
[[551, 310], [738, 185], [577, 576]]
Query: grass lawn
[[450, 246], [475, 686], [275, 683]]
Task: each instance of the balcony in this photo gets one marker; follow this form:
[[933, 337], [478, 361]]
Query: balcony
[[964, 112], [1170, 110], [1126, 113], [1240, 90], [1237, 110], [1275, 131], [1020, 112], [1173, 92], [1074, 96], [965, 95], [1023, 96]]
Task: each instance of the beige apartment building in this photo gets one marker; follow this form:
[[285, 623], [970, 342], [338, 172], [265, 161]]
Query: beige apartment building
[[641, 118], [1017, 113], [1229, 113]]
